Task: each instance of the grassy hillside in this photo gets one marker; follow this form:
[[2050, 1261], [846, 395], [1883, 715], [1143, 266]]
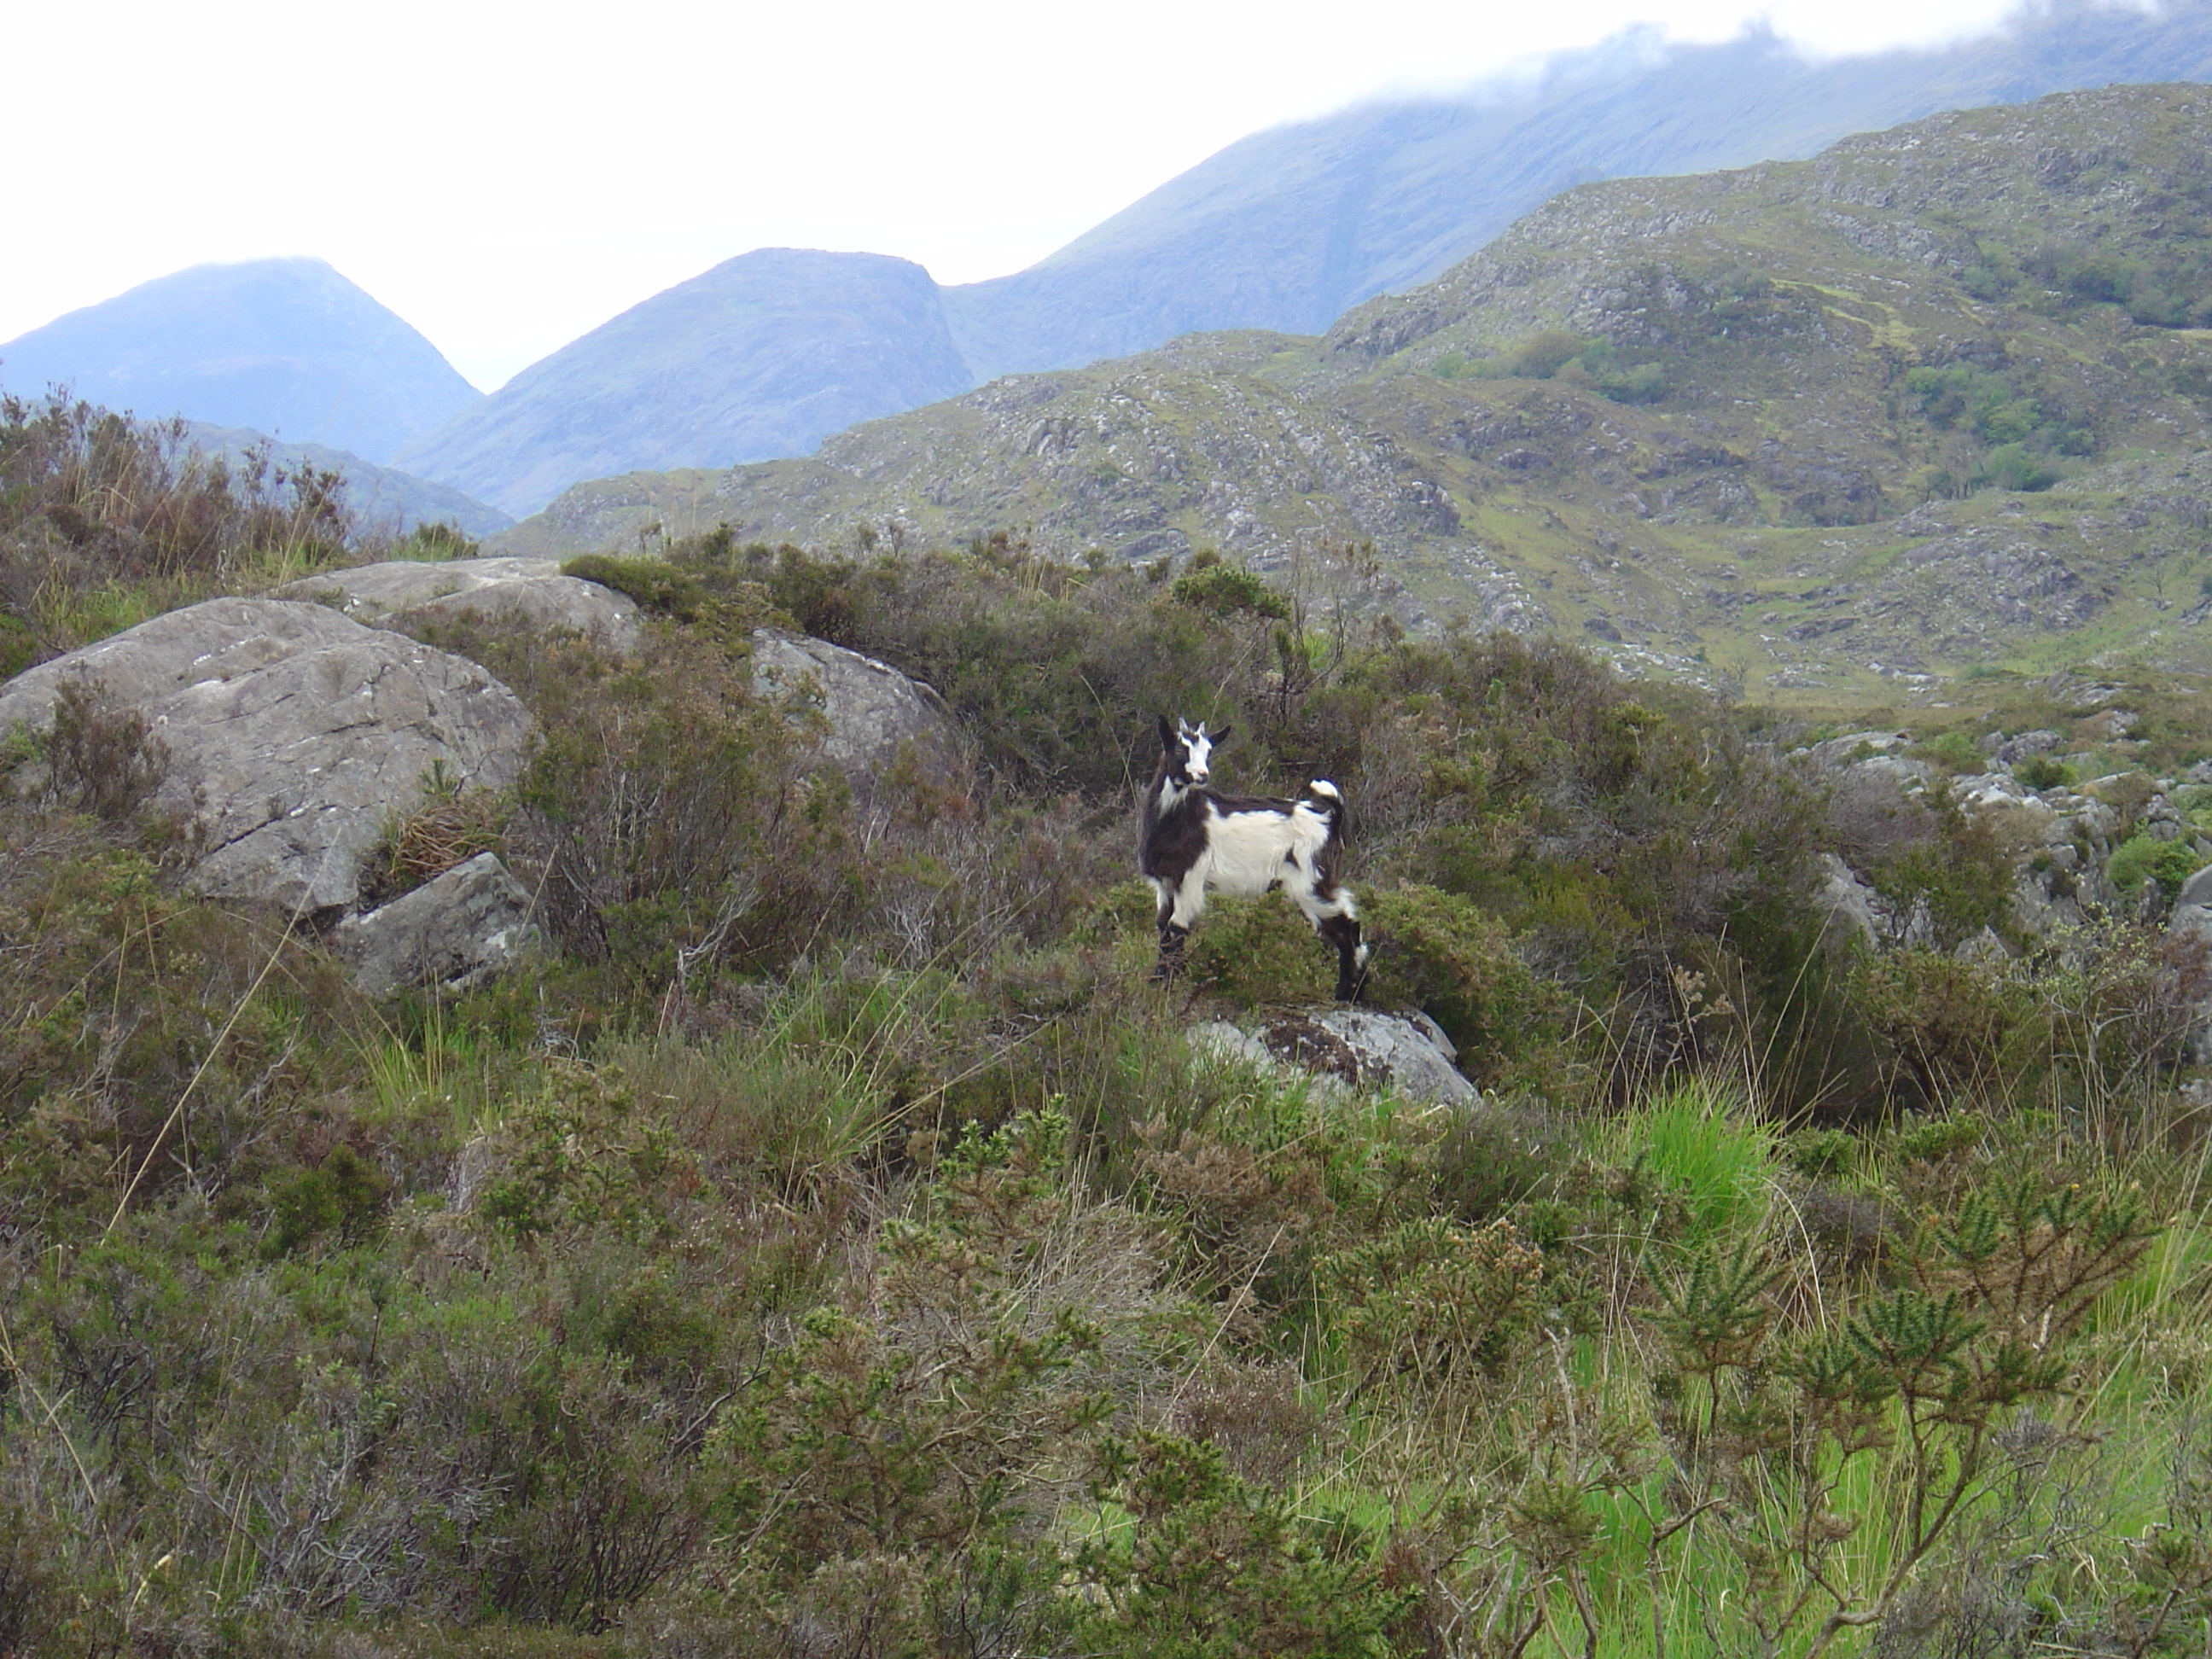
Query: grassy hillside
[[1923, 403], [833, 1244]]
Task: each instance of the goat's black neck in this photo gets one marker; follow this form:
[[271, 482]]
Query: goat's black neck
[[1170, 793]]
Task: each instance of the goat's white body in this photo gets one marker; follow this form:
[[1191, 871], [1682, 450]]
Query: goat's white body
[[1249, 853]]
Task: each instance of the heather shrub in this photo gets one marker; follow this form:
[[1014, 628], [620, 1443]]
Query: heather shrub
[[1207, 1568], [1429, 1304], [101, 758], [1439, 952], [106, 520]]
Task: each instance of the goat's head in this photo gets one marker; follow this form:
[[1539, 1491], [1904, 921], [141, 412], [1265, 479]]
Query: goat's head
[[1189, 751]]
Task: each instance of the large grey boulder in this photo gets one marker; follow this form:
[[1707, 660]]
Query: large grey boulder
[[404, 593], [1351, 1047], [455, 930], [292, 733], [872, 709]]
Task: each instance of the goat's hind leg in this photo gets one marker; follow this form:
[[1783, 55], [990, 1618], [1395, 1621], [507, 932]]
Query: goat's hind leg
[[1336, 919]]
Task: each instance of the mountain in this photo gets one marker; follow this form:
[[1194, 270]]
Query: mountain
[[770, 352], [1795, 425], [1288, 229], [762, 356], [382, 497], [283, 346]]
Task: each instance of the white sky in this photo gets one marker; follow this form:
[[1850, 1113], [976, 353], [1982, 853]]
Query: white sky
[[506, 176]]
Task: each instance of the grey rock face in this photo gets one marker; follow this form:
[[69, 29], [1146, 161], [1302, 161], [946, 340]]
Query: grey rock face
[[456, 930], [292, 732], [1851, 748], [402, 593], [1351, 1047], [2038, 742], [871, 709], [2197, 890], [1853, 908]]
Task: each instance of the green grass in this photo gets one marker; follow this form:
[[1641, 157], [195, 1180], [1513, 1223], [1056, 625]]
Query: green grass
[[1700, 1145]]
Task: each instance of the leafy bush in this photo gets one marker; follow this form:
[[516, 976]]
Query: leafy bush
[[2021, 433], [1954, 750], [2142, 858], [1444, 955], [1223, 588], [655, 584], [2043, 772]]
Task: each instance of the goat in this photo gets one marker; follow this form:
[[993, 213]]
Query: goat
[[1195, 840]]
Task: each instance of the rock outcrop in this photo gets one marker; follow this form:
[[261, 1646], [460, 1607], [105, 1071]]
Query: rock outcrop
[[405, 593], [455, 930], [872, 709], [291, 732], [1349, 1048]]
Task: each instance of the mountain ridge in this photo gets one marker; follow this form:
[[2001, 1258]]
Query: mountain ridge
[[288, 347], [757, 357]]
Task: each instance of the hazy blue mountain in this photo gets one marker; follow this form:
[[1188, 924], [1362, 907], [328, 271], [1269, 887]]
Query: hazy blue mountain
[[763, 355], [283, 346], [1290, 228], [382, 497]]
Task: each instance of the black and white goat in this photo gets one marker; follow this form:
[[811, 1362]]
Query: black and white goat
[[1197, 840]]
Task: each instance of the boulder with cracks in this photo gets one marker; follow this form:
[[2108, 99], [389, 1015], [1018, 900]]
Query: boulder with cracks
[[291, 733]]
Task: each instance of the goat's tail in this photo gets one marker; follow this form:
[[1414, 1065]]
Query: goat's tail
[[1324, 799]]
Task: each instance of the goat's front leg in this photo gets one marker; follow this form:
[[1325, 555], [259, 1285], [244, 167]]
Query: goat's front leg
[[1171, 936]]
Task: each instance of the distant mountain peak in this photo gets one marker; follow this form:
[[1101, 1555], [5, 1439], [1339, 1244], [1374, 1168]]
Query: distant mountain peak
[[287, 346], [764, 355]]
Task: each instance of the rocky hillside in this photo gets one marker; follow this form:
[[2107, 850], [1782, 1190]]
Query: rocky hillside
[[1799, 423], [288, 347], [762, 356]]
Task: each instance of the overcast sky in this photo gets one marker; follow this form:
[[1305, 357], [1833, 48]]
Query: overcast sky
[[506, 176]]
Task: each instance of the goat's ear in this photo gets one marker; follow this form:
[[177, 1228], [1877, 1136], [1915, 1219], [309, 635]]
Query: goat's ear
[[1222, 736], [1167, 734]]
